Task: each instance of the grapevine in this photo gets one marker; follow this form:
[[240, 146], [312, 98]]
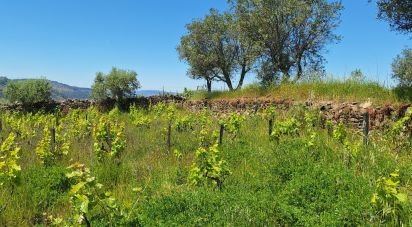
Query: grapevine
[[9, 157]]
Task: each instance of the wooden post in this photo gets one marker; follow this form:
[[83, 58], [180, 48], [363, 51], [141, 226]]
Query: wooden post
[[222, 129], [169, 132], [109, 136], [53, 138], [1, 121], [256, 108], [322, 120], [270, 126], [365, 128]]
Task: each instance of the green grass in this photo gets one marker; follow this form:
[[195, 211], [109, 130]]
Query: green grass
[[326, 90], [271, 183]]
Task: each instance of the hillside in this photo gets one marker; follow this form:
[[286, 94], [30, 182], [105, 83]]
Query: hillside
[[60, 91]]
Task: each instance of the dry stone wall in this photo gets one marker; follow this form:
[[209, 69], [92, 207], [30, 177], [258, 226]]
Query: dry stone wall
[[350, 113]]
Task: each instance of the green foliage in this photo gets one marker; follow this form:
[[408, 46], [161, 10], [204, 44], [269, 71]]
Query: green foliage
[[117, 84], [402, 68], [288, 127], [78, 123], [308, 178], [351, 146], [209, 168], [89, 202], [28, 91], [269, 113], [389, 202], [357, 76], [9, 157], [401, 132], [397, 13], [115, 113], [45, 187], [187, 93], [310, 120], [233, 123], [340, 133], [109, 139], [139, 117], [277, 36], [184, 123], [216, 49], [51, 148], [290, 34]]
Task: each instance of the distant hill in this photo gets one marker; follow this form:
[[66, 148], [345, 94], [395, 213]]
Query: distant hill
[[60, 91], [63, 91]]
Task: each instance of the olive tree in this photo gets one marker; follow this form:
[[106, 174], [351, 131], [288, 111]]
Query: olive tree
[[402, 68], [398, 13], [291, 33], [28, 91], [117, 84], [216, 50]]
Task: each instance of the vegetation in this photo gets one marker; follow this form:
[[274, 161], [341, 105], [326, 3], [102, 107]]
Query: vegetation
[[118, 170], [349, 90], [277, 38], [397, 13], [117, 84], [402, 68], [216, 49], [28, 91]]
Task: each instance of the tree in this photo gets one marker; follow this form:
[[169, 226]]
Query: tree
[[291, 34], [118, 84], [28, 91], [99, 90], [402, 68], [357, 76], [215, 50], [398, 13], [196, 51]]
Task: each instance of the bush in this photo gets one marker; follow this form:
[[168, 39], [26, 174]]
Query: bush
[[118, 84], [28, 91], [402, 68], [403, 93]]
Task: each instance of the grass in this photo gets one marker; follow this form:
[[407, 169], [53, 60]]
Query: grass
[[325, 90], [283, 183]]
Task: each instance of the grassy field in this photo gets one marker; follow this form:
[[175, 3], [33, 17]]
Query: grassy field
[[303, 174], [329, 90]]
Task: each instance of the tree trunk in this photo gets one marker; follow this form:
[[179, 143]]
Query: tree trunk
[[242, 78], [228, 81], [299, 71], [209, 85]]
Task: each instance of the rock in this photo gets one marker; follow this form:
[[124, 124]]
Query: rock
[[365, 105]]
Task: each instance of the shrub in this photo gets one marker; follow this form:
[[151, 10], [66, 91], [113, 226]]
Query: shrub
[[402, 68], [118, 84], [28, 91]]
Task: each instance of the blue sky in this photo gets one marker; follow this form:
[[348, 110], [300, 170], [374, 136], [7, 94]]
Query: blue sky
[[69, 41]]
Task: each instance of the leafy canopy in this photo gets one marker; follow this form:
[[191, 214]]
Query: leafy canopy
[[402, 68], [117, 84], [398, 13], [291, 34], [28, 91], [216, 49]]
